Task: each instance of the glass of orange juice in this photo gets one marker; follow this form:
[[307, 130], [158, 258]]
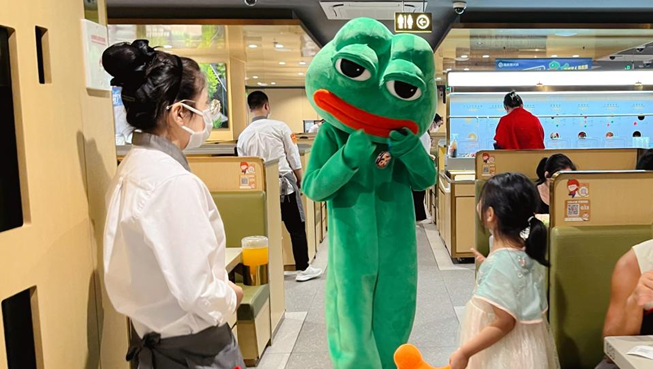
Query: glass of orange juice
[[256, 257]]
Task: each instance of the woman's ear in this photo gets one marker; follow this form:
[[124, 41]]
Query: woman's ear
[[176, 115], [490, 217]]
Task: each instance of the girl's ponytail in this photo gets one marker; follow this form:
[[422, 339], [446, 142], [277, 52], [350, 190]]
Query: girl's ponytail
[[536, 241]]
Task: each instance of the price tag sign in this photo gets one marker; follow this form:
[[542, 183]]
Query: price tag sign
[[413, 22]]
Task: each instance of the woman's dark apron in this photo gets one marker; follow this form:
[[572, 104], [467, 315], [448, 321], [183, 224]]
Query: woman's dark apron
[[212, 348]]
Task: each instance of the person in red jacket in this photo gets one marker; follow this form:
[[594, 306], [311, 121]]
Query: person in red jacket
[[519, 129]]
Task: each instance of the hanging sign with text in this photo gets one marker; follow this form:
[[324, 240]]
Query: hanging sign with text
[[413, 22]]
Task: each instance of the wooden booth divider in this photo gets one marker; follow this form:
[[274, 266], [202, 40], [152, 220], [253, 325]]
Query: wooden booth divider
[[248, 174], [596, 217], [493, 162]]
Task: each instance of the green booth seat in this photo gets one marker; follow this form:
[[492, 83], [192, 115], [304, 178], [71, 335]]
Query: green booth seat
[[254, 298], [243, 214], [582, 261]]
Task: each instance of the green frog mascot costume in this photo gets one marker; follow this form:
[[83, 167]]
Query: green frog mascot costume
[[377, 95]]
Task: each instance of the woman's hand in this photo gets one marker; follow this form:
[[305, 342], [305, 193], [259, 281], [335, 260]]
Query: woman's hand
[[478, 256], [458, 360], [239, 293]]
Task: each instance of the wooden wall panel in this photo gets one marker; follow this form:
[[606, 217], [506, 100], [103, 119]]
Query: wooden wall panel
[[67, 158]]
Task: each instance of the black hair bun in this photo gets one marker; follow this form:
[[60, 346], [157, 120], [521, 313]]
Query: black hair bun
[[127, 63]]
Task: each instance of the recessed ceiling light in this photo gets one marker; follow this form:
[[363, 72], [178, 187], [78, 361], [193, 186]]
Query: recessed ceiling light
[[439, 79], [255, 77], [464, 56], [554, 56], [302, 63], [536, 50], [278, 46], [167, 46], [575, 56], [485, 56], [262, 84], [253, 46], [300, 73], [466, 69], [282, 63], [273, 83]]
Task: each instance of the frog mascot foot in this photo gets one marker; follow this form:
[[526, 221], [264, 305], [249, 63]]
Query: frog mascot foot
[[377, 94]]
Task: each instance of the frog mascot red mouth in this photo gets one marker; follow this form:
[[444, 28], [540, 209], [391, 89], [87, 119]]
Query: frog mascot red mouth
[[356, 118]]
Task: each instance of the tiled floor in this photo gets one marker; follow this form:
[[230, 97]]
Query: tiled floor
[[444, 288]]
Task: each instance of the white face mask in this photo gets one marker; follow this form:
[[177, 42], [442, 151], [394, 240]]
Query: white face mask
[[197, 139]]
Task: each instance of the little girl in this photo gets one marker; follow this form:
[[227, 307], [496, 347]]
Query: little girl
[[505, 325]]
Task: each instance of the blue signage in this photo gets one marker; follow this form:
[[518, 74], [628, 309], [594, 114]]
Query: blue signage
[[544, 64]]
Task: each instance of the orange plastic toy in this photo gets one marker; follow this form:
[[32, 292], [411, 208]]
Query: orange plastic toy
[[408, 357]]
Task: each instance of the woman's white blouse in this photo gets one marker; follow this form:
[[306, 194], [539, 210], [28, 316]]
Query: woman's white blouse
[[164, 248]]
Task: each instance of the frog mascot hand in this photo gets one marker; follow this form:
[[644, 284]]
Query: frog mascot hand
[[376, 91]]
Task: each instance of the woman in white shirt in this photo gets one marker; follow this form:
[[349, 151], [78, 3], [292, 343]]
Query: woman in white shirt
[[164, 241]]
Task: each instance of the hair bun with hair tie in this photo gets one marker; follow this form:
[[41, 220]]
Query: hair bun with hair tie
[[128, 63]]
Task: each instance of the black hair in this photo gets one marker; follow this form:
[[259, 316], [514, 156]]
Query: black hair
[[437, 118], [151, 80], [553, 164], [515, 200], [256, 100], [512, 100], [645, 161]]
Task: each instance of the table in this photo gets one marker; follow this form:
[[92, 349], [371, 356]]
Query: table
[[234, 256], [617, 347]]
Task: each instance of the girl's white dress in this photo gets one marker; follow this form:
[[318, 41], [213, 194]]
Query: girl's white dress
[[511, 281]]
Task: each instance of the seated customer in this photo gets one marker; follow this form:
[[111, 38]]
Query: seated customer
[[630, 312], [545, 171], [646, 161]]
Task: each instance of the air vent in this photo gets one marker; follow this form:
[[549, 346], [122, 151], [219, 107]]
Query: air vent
[[377, 10]]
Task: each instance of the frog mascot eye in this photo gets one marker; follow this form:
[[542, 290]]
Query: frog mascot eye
[[377, 94], [404, 91], [352, 70]]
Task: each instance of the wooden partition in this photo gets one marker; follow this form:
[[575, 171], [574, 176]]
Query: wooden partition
[[491, 162], [66, 159], [229, 173], [602, 199], [595, 218]]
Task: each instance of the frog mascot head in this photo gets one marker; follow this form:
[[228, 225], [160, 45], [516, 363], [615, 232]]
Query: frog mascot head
[[376, 91], [367, 79]]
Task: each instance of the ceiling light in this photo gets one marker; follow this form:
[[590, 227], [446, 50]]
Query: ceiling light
[[464, 56], [282, 63], [302, 63], [439, 79], [448, 70], [466, 69], [550, 78], [575, 56], [167, 46], [255, 77], [253, 46], [554, 56], [485, 56], [278, 46], [273, 83], [300, 73], [536, 50], [262, 84]]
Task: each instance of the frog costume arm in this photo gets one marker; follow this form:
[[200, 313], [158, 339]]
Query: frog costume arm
[[376, 93]]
